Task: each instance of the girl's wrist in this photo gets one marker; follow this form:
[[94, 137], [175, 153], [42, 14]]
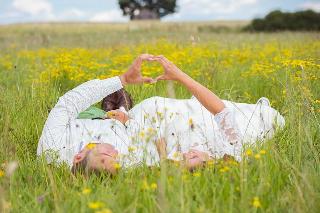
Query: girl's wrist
[[123, 80], [182, 77]]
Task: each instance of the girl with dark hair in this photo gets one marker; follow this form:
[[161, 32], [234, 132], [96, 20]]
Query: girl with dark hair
[[116, 100]]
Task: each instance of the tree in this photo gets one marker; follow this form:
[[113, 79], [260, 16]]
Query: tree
[[147, 9], [307, 20]]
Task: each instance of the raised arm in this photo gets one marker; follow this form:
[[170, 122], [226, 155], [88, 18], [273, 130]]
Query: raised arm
[[80, 98], [223, 116], [207, 98], [91, 92]]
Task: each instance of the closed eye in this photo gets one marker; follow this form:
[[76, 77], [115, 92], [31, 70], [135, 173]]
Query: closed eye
[[106, 154]]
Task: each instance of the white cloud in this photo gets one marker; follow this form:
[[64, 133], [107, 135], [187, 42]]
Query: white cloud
[[108, 16], [191, 8], [221, 6], [33, 7], [311, 5], [72, 13], [41, 10]]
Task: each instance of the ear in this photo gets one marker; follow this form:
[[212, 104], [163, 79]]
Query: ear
[[79, 157]]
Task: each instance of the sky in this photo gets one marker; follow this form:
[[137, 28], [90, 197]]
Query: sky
[[20, 11]]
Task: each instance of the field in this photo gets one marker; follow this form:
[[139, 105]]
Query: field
[[38, 63]]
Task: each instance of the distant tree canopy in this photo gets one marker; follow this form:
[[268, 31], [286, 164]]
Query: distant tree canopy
[[147, 9], [277, 20]]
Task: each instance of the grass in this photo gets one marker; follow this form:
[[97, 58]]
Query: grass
[[284, 179]]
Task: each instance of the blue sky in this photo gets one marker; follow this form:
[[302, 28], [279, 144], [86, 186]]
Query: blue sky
[[17, 11]]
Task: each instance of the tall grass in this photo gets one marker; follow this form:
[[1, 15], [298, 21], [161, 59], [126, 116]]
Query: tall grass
[[284, 179]]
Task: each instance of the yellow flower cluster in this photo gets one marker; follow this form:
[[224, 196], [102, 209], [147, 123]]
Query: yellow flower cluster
[[257, 156], [146, 186], [80, 64], [297, 62]]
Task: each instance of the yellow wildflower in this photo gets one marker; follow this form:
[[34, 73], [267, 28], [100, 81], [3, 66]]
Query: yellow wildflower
[[284, 92], [145, 185], [110, 114], [257, 156], [191, 123], [249, 152], [210, 163], [233, 162], [159, 113], [196, 174], [104, 211], [153, 186], [256, 202], [91, 145], [86, 191], [150, 130], [95, 205], [262, 152], [117, 166], [1, 173], [142, 134], [224, 169]]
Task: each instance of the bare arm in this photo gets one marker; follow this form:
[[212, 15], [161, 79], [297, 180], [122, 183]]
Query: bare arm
[[80, 98], [207, 98], [223, 115], [162, 149]]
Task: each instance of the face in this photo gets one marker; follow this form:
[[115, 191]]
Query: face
[[195, 158], [101, 157]]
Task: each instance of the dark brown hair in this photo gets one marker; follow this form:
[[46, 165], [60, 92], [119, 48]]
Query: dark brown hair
[[118, 99]]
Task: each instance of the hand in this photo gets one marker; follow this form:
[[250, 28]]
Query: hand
[[171, 71], [195, 158], [162, 148], [133, 75], [193, 153], [118, 115]]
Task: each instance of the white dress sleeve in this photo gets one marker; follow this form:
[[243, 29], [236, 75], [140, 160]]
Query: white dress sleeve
[[69, 106], [85, 95], [228, 126]]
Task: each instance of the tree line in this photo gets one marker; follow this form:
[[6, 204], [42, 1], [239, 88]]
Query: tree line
[[307, 20]]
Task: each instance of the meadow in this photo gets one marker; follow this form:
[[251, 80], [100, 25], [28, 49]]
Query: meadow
[[39, 63]]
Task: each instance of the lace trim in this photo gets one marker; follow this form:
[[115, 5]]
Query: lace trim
[[229, 129]]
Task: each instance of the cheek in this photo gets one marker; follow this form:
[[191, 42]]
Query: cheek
[[108, 163], [194, 162], [110, 166]]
